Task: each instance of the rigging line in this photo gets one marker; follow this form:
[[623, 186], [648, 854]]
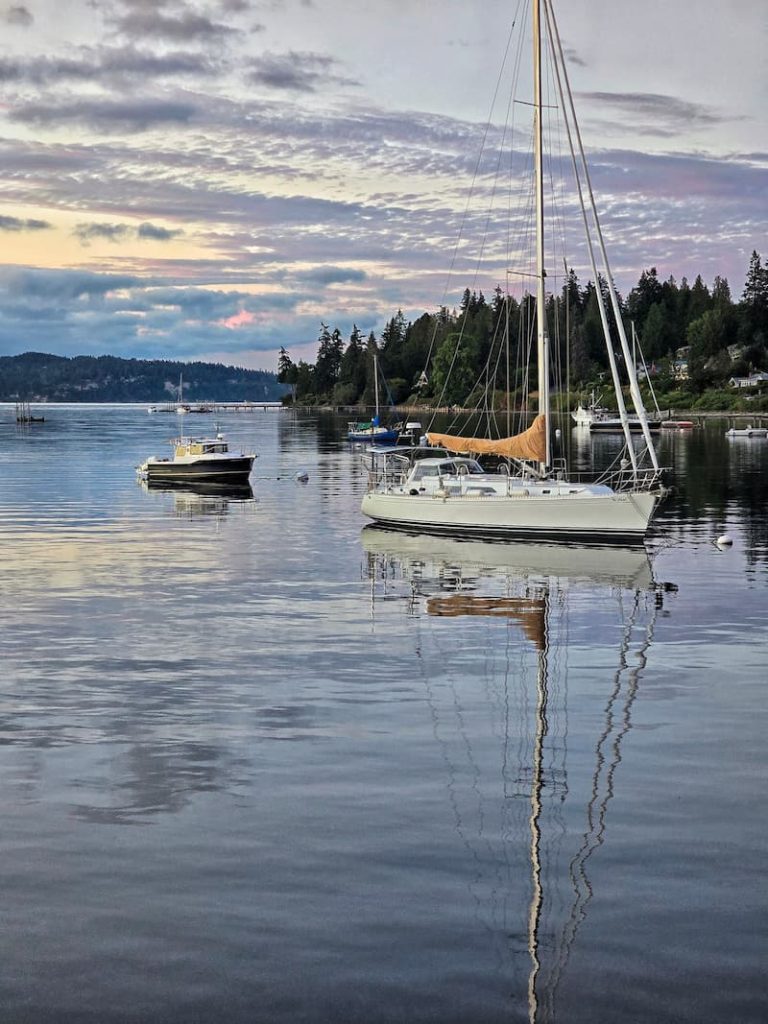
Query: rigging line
[[631, 373], [452, 770], [633, 675], [508, 130], [486, 132], [531, 328], [481, 405], [557, 228], [513, 130], [481, 810], [503, 347], [568, 116]]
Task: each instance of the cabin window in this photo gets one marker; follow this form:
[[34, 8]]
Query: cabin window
[[422, 471]]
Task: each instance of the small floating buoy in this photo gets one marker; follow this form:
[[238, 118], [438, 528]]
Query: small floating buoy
[[301, 477], [557, 432], [724, 541]]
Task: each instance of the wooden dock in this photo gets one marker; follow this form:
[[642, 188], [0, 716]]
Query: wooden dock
[[193, 408]]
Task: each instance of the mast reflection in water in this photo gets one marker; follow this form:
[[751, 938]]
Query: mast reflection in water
[[532, 812]]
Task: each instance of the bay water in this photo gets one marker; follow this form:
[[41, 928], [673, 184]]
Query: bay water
[[260, 763]]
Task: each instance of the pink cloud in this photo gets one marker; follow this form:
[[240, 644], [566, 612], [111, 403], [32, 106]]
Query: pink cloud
[[240, 319]]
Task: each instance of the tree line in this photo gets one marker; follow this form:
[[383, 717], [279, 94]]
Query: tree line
[[692, 339], [39, 377]]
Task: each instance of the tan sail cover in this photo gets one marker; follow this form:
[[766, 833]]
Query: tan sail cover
[[531, 444]]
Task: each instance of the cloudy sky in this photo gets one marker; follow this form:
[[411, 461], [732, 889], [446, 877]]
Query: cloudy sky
[[209, 179]]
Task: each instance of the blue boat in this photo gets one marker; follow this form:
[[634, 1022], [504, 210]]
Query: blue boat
[[371, 431]]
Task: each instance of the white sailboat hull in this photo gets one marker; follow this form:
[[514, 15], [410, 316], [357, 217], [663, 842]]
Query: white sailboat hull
[[621, 517]]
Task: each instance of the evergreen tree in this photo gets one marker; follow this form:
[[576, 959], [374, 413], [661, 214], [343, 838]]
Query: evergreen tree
[[287, 371], [754, 314], [700, 299], [654, 340], [392, 338], [352, 369], [328, 365], [705, 337], [305, 380], [415, 350], [454, 370], [371, 350], [646, 293], [721, 293], [756, 285]]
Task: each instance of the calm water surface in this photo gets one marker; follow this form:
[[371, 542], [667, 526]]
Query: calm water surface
[[260, 764]]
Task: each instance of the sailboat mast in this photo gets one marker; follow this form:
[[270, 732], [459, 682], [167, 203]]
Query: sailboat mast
[[181, 406], [376, 383], [542, 341]]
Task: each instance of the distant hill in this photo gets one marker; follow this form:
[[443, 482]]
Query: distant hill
[[37, 377]]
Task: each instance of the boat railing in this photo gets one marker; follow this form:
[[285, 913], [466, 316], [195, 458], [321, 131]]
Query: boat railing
[[623, 478], [386, 470], [628, 479]]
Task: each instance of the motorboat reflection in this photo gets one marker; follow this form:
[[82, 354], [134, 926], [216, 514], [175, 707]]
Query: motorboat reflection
[[201, 498], [510, 639]]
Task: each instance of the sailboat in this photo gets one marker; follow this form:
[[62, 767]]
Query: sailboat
[[372, 431], [534, 495]]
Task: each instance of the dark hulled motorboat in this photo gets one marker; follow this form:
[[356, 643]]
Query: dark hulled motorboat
[[199, 459]]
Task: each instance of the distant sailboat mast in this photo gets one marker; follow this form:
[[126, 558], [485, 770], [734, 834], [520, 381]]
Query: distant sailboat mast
[[376, 388]]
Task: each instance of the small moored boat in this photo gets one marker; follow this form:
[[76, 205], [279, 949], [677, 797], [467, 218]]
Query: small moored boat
[[199, 459], [373, 431], [749, 431]]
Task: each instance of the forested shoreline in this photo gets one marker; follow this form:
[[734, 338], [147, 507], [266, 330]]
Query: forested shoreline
[[696, 345], [38, 377]]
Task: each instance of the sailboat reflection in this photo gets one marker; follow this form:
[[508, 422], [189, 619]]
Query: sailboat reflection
[[199, 498], [551, 626], [614, 565]]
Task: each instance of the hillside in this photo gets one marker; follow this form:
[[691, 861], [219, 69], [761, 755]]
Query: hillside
[[37, 377]]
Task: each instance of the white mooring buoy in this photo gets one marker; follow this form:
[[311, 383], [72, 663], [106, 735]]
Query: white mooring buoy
[[724, 541]]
